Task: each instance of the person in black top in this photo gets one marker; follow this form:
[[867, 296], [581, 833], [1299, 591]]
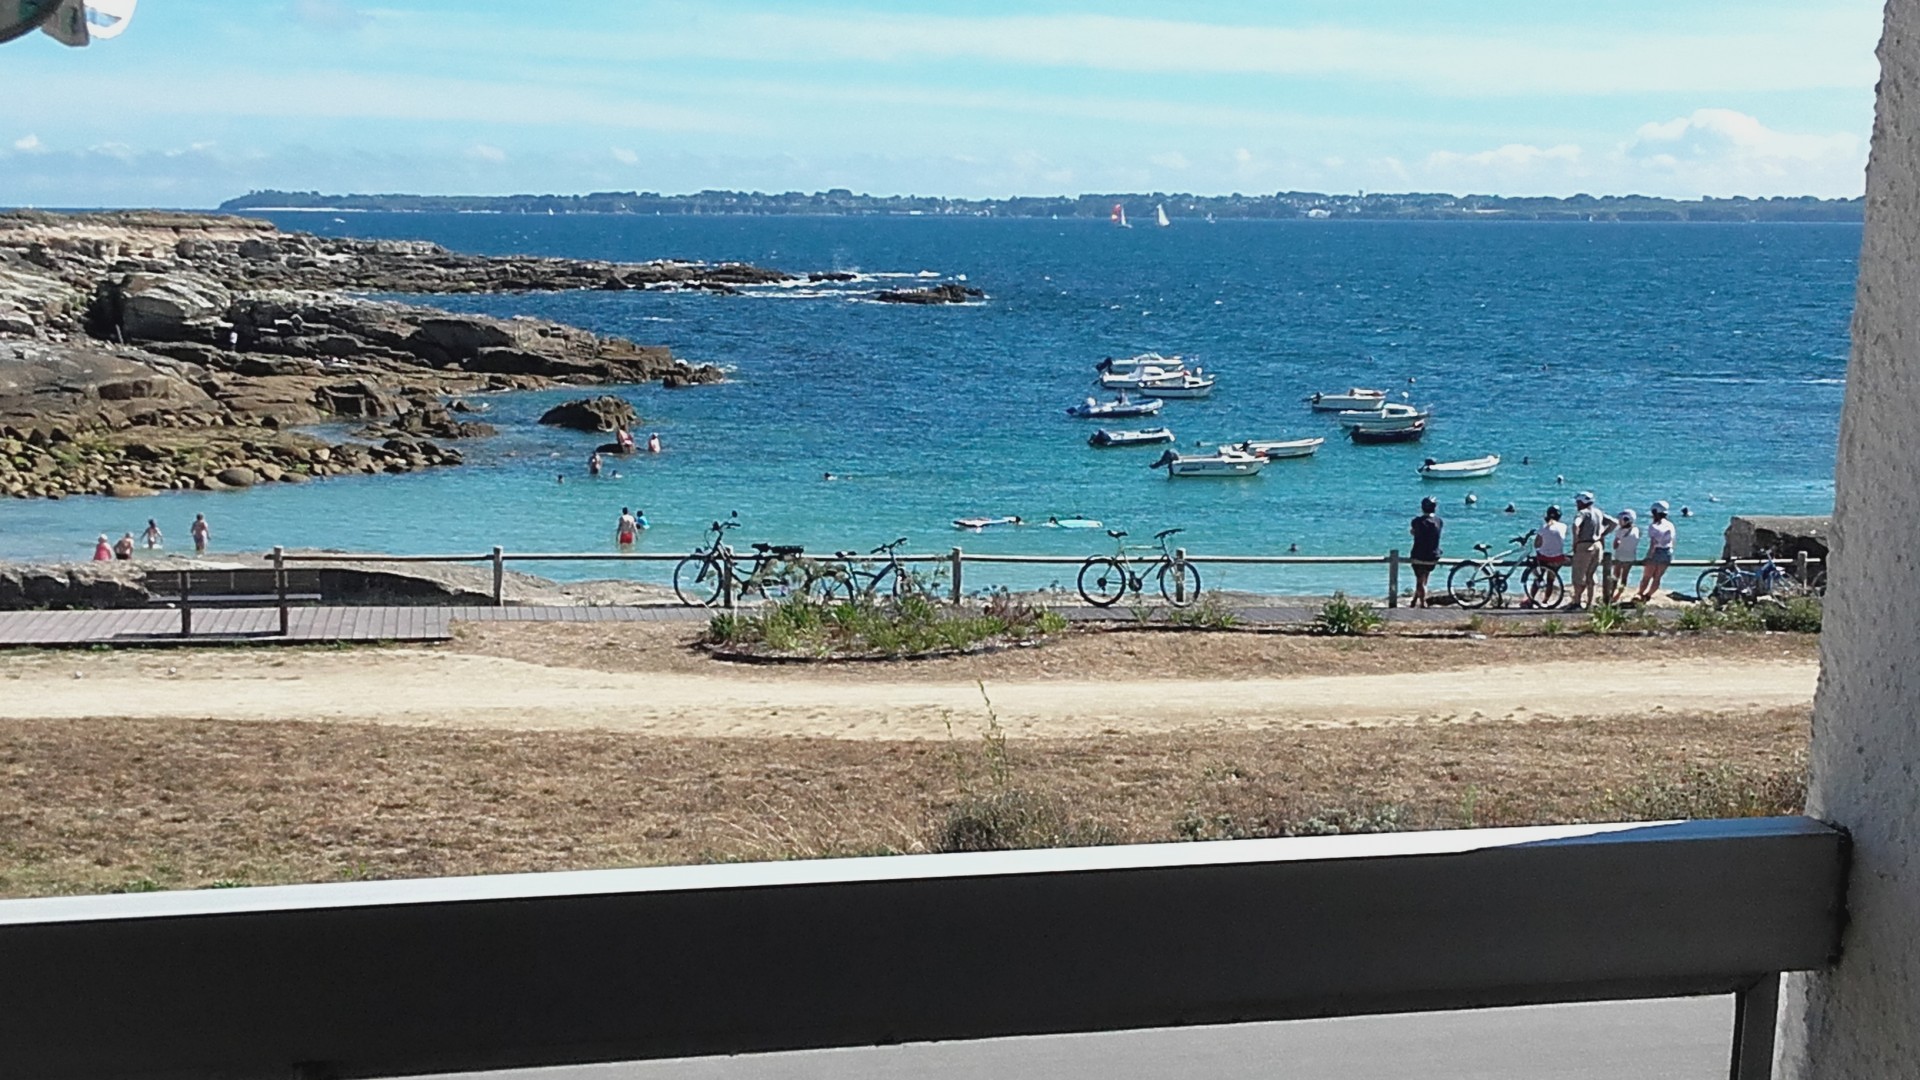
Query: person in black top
[[1426, 548]]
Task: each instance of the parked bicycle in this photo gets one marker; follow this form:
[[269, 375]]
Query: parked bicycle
[[1730, 582], [844, 580], [773, 571], [1104, 579], [1475, 583]]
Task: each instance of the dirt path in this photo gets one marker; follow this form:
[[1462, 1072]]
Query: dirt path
[[463, 690]]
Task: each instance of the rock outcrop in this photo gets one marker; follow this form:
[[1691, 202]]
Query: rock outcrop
[[1749, 535], [951, 292], [603, 413], [145, 351]]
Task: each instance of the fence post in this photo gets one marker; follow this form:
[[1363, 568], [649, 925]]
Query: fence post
[[1393, 578], [726, 580], [1800, 566], [186, 603], [958, 562], [1179, 575], [1606, 577], [499, 576], [280, 585]]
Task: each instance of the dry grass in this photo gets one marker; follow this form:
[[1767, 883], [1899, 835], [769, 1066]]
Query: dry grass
[[1080, 653], [113, 804]]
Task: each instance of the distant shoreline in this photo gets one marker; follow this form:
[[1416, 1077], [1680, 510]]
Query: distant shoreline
[[1183, 208]]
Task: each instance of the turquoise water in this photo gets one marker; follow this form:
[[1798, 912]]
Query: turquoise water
[[1701, 364]]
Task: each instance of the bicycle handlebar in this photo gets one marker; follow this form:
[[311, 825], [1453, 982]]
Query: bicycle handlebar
[[1164, 533], [1117, 534]]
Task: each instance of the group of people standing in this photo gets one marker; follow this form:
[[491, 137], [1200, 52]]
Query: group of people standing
[[1579, 545], [151, 539]]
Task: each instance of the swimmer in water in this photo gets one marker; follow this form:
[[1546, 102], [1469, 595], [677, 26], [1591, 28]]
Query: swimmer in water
[[653, 443], [1510, 509], [623, 532], [593, 464], [1472, 498], [1293, 549], [828, 476]]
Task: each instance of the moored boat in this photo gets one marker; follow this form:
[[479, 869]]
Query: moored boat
[[1121, 364], [1460, 470], [1389, 415], [1107, 437], [1225, 461], [1356, 398], [1190, 384], [1118, 409], [1410, 433], [1274, 450], [1138, 377]]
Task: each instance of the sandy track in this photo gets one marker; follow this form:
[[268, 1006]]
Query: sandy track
[[419, 687]]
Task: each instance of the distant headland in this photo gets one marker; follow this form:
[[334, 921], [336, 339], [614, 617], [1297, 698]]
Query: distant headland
[[1421, 206]]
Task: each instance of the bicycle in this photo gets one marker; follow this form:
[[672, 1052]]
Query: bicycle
[[1769, 580], [773, 571], [1112, 576], [1473, 583], [848, 582]]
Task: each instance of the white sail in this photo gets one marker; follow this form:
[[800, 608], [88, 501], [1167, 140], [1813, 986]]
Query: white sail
[[109, 18], [1160, 215]]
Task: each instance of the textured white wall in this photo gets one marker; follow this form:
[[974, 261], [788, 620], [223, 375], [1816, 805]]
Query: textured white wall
[[1861, 1020]]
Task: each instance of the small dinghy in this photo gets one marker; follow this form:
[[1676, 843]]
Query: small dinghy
[[1460, 470], [1226, 461], [1356, 398], [1410, 433], [1386, 416], [1106, 437], [1187, 384], [978, 523], [1120, 409], [1274, 450]]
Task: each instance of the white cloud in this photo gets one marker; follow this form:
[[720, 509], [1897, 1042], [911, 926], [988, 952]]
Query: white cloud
[[624, 156], [483, 152], [29, 144], [1171, 160]]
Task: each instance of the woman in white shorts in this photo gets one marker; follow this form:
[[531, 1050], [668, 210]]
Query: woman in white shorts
[[1626, 551]]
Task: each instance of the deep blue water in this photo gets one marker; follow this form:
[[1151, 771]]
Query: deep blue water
[[1701, 364]]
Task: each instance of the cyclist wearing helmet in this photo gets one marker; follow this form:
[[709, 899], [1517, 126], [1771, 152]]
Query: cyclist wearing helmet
[[1551, 540], [1426, 548]]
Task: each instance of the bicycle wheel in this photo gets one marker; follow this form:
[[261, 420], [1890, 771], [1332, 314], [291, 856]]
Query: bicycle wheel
[[1180, 588], [1103, 581], [1818, 585], [1712, 585], [1470, 584], [1543, 586], [696, 580], [831, 585]]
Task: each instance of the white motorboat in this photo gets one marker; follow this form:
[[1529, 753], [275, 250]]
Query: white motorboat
[[1116, 410], [1460, 470], [1123, 364], [1274, 450], [1225, 461], [1138, 377], [1390, 415], [1187, 384], [1106, 437], [1356, 398]]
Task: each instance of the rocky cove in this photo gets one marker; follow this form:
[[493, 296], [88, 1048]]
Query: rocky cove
[[145, 351]]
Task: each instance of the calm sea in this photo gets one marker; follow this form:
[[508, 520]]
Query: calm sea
[[1701, 364]]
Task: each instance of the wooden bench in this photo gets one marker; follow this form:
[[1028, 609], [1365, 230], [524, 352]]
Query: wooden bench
[[278, 588]]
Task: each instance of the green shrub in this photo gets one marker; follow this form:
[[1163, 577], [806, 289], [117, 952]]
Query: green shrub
[[1552, 626], [1210, 613], [1799, 615], [1605, 618], [1710, 791], [799, 625], [1345, 617], [1008, 820]]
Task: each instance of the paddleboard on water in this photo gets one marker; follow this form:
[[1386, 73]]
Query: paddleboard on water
[[1075, 523], [983, 522]]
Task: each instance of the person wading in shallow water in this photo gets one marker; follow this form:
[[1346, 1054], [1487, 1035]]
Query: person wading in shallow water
[[201, 533], [1426, 531]]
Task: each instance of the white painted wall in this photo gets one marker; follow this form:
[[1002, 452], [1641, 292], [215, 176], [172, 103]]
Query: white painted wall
[[1861, 1020]]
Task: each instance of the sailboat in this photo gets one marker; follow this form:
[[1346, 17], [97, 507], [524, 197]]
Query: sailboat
[[1119, 216], [1160, 215]]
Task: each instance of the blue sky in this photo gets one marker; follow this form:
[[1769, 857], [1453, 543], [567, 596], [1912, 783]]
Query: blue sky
[[199, 100]]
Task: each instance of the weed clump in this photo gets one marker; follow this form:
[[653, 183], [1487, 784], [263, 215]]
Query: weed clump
[[1347, 618], [909, 625]]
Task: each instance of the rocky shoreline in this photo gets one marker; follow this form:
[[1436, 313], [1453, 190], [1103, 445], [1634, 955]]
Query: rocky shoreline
[[147, 351]]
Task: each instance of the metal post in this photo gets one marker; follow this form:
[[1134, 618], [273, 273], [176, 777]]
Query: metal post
[[1393, 578], [1800, 567], [1606, 577], [1755, 1010], [1179, 575], [186, 603], [280, 585], [499, 577], [726, 580], [958, 561]]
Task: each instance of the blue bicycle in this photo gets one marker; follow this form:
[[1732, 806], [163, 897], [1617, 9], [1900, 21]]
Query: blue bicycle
[[1730, 582]]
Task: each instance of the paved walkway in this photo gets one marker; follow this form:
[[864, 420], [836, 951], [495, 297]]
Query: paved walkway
[[325, 625]]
